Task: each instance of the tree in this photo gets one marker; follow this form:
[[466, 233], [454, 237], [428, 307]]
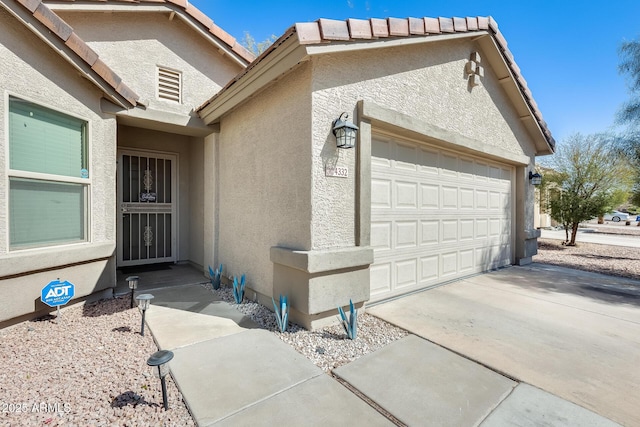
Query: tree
[[590, 174], [257, 47], [629, 114], [630, 65]]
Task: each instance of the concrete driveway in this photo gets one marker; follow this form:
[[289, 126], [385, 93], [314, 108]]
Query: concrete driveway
[[574, 334]]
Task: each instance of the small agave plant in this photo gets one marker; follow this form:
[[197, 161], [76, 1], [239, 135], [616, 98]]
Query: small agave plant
[[349, 324], [216, 277], [281, 312], [238, 289]]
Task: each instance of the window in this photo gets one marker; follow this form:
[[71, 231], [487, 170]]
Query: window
[[48, 176], [169, 85]]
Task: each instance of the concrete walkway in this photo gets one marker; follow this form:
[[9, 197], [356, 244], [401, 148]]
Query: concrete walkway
[[574, 334], [233, 375]]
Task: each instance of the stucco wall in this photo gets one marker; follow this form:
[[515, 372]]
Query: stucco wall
[[31, 70], [426, 82], [264, 178], [134, 44], [189, 195]]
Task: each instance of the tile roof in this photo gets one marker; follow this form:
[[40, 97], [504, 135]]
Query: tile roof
[[203, 20], [74, 43], [61, 29], [327, 30]]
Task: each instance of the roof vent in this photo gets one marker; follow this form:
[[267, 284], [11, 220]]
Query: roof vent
[[169, 85]]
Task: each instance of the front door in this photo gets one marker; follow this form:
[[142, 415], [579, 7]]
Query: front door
[[146, 204]]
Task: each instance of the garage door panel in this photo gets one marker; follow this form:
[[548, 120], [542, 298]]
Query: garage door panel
[[380, 194], [467, 169], [466, 198], [430, 232], [449, 197], [406, 272], [449, 229], [449, 265], [429, 160], [429, 196], [482, 199], [438, 216], [482, 228], [429, 268], [466, 260], [406, 195], [406, 234], [380, 278], [380, 153], [467, 229], [448, 165], [381, 235]]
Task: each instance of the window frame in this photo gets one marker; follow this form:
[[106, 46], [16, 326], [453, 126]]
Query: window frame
[[87, 183]]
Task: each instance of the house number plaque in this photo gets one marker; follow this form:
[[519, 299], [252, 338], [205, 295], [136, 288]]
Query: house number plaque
[[337, 171]]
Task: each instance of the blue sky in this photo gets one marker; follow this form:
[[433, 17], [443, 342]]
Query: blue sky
[[567, 50]]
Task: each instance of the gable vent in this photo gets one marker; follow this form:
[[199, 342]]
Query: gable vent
[[169, 85]]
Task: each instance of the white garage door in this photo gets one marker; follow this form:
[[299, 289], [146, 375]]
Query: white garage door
[[435, 216]]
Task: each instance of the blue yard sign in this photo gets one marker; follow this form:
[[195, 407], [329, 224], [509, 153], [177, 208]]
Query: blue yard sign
[[57, 293]]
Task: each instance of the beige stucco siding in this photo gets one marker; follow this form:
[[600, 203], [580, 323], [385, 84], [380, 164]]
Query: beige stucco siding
[[135, 44], [31, 70], [426, 82], [265, 179]]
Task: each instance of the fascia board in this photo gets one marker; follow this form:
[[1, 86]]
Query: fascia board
[[265, 72], [508, 82]]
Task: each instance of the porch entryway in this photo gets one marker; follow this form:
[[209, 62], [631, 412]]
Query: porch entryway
[[147, 207]]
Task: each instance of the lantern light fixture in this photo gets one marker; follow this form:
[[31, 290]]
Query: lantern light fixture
[[535, 178], [344, 131], [133, 285], [144, 300]]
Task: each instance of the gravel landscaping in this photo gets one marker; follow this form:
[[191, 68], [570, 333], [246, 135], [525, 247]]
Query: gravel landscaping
[[613, 260], [89, 367]]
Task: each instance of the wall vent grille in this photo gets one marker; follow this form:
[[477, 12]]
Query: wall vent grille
[[169, 85]]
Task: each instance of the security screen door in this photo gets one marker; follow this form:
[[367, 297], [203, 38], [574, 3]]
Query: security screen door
[[146, 207]]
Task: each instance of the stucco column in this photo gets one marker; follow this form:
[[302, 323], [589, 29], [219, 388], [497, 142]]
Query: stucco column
[[526, 234], [210, 199]]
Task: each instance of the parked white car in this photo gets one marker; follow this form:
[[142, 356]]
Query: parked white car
[[616, 216]]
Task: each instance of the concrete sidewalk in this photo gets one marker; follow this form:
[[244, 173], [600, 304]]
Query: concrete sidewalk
[[231, 375]]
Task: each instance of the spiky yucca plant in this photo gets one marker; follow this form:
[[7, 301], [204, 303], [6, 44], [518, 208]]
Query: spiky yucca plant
[[349, 324], [281, 312], [216, 277], [238, 289]]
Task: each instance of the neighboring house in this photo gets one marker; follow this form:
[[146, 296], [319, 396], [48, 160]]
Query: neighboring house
[[166, 142]]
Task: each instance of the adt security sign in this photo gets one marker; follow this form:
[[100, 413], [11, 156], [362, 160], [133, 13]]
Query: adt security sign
[[57, 293]]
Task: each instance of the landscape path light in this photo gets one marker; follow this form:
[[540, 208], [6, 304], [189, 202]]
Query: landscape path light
[[133, 285], [161, 360], [144, 300]]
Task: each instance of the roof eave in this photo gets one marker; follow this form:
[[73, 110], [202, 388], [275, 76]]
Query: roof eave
[[267, 68], [70, 48], [190, 15]]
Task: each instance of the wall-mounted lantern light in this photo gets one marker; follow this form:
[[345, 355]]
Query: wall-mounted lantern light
[[133, 285], [535, 178], [161, 360], [344, 131], [144, 301]]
